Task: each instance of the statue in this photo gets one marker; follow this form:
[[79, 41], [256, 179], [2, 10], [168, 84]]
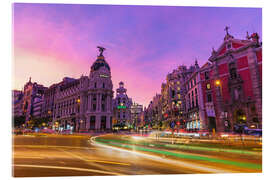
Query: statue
[[248, 37], [101, 49], [226, 29]]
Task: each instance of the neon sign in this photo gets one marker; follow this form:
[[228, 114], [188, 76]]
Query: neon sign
[[121, 107]]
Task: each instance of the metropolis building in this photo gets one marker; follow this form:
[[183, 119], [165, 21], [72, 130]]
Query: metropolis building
[[84, 104]]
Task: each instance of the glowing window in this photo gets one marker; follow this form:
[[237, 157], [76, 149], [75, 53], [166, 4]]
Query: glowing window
[[208, 86]]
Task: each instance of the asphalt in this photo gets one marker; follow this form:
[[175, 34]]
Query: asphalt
[[76, 155]]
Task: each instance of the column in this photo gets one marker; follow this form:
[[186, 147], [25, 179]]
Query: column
[[98, 102], [256, 83], [108, 103], [89, 105]]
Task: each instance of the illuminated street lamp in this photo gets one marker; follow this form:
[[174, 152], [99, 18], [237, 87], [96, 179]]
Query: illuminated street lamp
[[78, 100], [218, 83]]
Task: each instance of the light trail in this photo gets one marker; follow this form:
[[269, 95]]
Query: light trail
[[67, 168], [49, 146], [187, 147], [109, 162], [187, 165], [185, 156]]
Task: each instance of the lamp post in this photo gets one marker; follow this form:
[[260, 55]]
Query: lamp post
[[81, 122], [218, 84]]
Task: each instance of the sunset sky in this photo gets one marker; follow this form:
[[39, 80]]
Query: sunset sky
[[144, 43]]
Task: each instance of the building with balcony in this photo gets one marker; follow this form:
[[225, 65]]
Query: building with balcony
[[122, 104], [85, 104]]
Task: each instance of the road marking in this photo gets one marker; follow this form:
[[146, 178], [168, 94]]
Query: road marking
[[109, 162], [67, 168]]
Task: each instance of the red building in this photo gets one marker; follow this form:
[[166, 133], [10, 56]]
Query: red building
[[232, 84]]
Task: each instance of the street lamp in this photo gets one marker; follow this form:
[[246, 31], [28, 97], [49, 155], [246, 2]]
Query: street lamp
[[217, 82], [81, 121]]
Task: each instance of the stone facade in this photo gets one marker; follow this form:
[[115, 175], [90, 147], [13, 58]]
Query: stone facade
[[122, 104], [17, 103], [85, 104], [235, 77], [31, 91], [195, 111], [135, 112]]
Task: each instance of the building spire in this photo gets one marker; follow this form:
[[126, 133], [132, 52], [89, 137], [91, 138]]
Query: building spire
[[30, 79], [196, 62]]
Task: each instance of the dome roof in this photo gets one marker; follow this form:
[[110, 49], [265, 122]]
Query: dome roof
[[100, 62]]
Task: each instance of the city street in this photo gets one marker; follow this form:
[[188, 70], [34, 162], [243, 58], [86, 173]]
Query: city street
[[82, 155]]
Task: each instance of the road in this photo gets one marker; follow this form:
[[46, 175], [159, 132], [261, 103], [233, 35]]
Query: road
[[78, 155]]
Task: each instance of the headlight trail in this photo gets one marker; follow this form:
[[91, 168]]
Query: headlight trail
[[67, 168], [188, 165], [181, 155]]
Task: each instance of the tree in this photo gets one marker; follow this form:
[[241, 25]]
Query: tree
[[37, 122], [18, 121]]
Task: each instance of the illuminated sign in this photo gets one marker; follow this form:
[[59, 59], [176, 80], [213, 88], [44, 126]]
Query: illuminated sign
[[104, 76], [121, 107]]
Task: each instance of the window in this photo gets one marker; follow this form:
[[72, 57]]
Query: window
[[94, 97], [209, 98], [103, 107], [173, 93], [194, 81], [233, 72], [206, 74], [208, 86], [94, 107], [103, 97], [95, 85], [103, 85]]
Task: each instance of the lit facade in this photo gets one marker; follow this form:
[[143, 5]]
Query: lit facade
[[31, 92], [135, 112], [232, 84], [85, 104], [122, 104]]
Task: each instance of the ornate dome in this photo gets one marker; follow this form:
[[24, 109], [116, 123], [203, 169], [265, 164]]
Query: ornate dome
[[100, 62]]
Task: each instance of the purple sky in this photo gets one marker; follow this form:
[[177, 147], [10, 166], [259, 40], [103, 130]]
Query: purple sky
[[143, 43]]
